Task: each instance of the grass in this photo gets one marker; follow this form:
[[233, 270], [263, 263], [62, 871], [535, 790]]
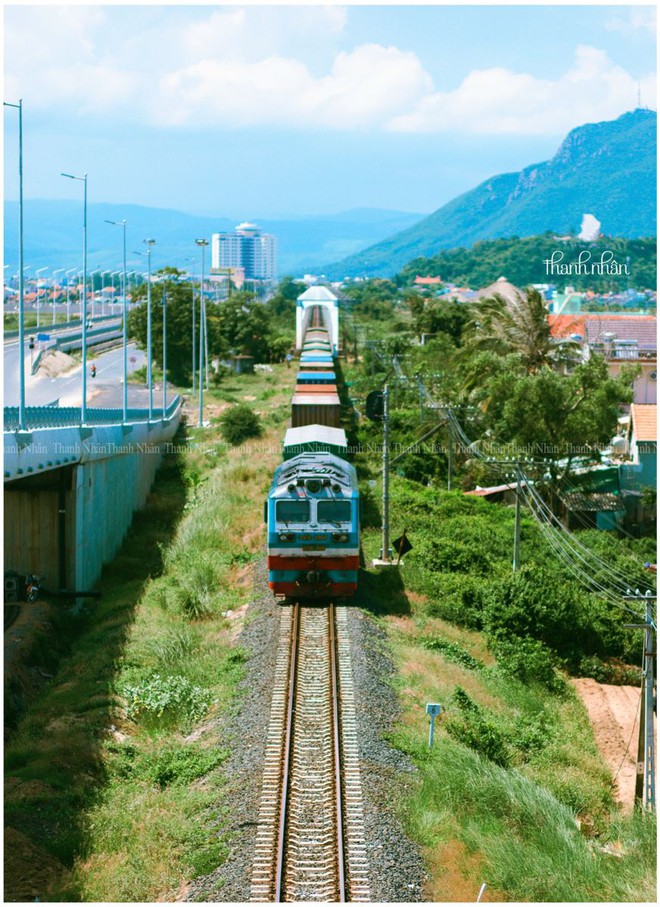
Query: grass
[[540, 827], [515, 792], [30, 320], [528, 845], [117, 770]]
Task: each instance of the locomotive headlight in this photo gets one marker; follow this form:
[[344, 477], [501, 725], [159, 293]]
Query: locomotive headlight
[[340, 537], [286, 537]]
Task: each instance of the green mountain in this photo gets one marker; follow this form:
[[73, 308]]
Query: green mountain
[[605, 169]]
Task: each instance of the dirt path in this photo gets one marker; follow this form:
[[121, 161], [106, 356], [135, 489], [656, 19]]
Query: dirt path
[[614, 715]]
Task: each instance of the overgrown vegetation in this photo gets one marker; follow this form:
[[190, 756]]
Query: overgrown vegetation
[[514, 793], [115, 776], [521, 260]]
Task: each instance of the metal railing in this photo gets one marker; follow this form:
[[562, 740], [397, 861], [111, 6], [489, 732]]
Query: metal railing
[[611, 351], [70, 416]]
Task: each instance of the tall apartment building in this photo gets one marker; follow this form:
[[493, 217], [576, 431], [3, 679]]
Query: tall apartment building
[[247, 249]]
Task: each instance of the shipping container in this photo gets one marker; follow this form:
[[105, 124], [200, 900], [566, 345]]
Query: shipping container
[[315, 438], [315, 409]]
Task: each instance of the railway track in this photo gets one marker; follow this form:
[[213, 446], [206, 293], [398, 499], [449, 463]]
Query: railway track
[[310, 842]]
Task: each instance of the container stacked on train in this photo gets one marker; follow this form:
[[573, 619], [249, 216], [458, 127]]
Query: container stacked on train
[[313, 505]]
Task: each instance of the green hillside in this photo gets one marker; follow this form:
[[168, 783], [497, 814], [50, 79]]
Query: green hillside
[[522, 261], [605, 169]]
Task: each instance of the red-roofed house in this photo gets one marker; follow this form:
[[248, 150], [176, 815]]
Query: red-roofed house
[[643, 441], [621, 339], [427, 281]]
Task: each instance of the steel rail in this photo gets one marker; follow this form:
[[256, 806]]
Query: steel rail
[[339, 811], [286, 758]]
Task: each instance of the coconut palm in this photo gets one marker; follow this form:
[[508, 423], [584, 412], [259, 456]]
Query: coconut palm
[[518, 326]]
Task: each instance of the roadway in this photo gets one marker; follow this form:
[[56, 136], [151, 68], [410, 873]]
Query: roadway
[[103, 390]]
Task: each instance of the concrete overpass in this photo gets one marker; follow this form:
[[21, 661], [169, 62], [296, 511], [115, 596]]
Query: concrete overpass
[[70, 490]]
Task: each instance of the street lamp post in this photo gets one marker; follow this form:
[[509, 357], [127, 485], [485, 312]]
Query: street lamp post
[[103, 273], [83, 409], [192, 292], [122, 224], [21, 268], [38, 272], [164, 350], [150, 243], [56, 271], [202, 243], [68, 298]]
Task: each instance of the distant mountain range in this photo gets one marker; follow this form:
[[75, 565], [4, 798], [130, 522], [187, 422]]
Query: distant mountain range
[[53, 235], [605, 169]]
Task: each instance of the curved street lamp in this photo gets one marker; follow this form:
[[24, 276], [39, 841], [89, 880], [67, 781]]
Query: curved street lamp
[[122, 224], [202, 243], [56, 271], [149, 243], [192, 291], [68, 299], [21, 269]]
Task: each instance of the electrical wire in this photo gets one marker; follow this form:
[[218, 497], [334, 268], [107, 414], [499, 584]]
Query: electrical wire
[[580, 560]]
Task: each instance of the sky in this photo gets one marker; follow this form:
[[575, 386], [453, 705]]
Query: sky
[[272, 111]]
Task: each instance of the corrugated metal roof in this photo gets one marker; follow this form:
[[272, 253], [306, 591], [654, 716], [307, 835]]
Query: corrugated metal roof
[[595, 502]]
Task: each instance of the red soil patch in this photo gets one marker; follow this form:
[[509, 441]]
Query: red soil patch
[[614, 715]]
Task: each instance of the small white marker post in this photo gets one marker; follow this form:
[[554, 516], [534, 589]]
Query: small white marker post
[[433, 709]]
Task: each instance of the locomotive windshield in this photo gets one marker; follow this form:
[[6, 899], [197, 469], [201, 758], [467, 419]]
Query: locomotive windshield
[[334, 511], [292, 511]]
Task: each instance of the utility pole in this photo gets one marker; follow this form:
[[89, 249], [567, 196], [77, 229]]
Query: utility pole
[[516, 531], [450, 458], [385, 552], [645, 782]]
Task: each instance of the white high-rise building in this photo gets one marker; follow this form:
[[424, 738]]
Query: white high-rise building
[[247, 249]]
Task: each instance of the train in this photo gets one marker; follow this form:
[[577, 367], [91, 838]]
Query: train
[[312, 511]]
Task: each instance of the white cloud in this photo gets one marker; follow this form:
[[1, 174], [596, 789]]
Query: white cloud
[[500, 101], [364, 88], [640, 18], [285, 66]]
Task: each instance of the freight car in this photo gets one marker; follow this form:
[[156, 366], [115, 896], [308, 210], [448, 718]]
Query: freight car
[[313, 508]]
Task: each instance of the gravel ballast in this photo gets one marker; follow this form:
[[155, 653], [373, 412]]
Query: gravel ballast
[[396, 869]]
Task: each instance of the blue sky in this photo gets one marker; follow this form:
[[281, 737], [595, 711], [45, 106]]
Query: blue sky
[[254, 111]]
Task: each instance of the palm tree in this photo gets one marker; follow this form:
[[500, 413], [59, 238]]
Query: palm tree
[[518, 326]]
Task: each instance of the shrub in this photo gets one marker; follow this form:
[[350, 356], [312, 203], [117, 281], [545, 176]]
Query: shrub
[[477, 730], [527, 660], [459, 598], [446, 555], [183, 764], [239, 423], [169, 698], [452, 651]]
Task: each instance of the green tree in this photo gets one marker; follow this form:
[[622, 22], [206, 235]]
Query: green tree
[[521, 327], [246, 326], [438, 316], [178, 295], [559, 417]]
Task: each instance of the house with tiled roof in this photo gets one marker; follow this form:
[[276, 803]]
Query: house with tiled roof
[[427, 281], [644, 442], [622, 339]]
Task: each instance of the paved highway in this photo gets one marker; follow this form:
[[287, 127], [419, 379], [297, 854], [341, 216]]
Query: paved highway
[[103, 390]]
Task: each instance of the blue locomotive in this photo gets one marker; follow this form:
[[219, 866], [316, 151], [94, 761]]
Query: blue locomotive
[[313, 508]]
